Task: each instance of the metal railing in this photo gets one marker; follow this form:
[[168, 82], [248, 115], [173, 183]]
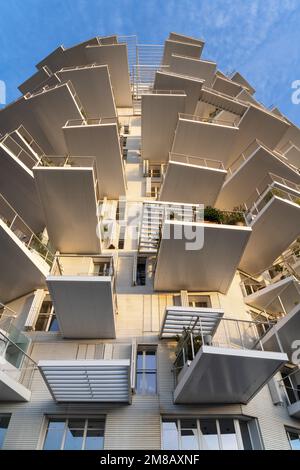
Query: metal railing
[[198, 161], [20, 367], [290, 384], [82, 265], [92, 121], [67, 161], [209, 120], [271, 186], [11, 145], [24, 233]]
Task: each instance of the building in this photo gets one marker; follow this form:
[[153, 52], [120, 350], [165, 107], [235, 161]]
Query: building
[[150, 255]]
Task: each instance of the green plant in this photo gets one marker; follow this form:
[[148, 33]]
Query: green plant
[[213, 215], [278, 192], [233, 218]]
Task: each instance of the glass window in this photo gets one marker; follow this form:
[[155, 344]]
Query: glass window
[[189, 434], [228, 435], [146, 371], [141, 271], [46, 320], [170, 434], [294, 439], [245, 435], [209, 434], [200, 301], [74, 434], [4, 422]]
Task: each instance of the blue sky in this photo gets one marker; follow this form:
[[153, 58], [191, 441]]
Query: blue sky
[[260, 38]]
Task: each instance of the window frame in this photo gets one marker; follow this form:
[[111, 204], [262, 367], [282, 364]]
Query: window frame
[[66, 422], [200, 440], [144, 349], [51, 316], [292, 430], [5, 415]]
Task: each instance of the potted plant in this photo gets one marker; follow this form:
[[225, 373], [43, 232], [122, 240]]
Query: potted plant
[[212, 215]]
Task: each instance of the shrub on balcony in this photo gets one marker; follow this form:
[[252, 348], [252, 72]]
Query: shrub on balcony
[[213, 215]]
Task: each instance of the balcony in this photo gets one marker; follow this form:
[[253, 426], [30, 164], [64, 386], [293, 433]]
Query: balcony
[[274, 216], [218, 360], [197, 68], [88, 381], [226, 86], [209, 238], [24, 257], [192, 179], [181, 45], [99, 138], [115, 57], [83, 294], [255, 163], [290, 387], [16, 367], [68, 188], [200, 136], [159, 119], [165, 80], [15, 165]]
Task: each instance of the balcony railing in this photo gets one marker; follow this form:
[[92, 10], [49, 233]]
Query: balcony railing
[[91, 121], [290, 385], [209, 120], [197, 161], [271, 186], [24, 233], [11, 145], [81, 265]]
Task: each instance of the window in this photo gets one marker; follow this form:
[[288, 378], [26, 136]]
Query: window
[[294, 439], [200, 301], [141, 271], [206, 434], [146, 372], [46, 320], [4, 422], [74, 434]]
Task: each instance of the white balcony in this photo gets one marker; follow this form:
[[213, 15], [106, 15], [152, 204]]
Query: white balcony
[[200, 137], [274, 216], [99, 138], [23, 256], [181, 45], [226, 86], [159, 119], [252, 166], [68, 190], [197, 68], [82, 292], [218, 360], [115, 57], [290, 387], [192, 179], [207, 252], [88, 381], [165, 80], [238, 78]]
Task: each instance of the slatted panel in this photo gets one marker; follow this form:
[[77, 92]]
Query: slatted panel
[[179, 318]]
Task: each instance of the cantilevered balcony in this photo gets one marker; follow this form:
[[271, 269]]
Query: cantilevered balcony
[[88, 380], [207, 137], [192, 179], [16, 367], [83, 295], [99, 138], [17, 181], [218, 360], [226, 86], [274, 216], [165, 80], [68, 188], [159, 120], [290, 388], [182, 45], [24, 257], [208, 245], [196, 68], [251, 166]]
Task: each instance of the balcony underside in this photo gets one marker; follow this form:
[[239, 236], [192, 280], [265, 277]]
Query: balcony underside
[[70, 206], [287, 330], [273, 230], [184, 48], [239, 187], [218, 375], [294, 410], [184, 264], [11, 390], [115, 57], [88, 381], [191, 67], [84, 305], [173, 81], [191, 183], [102, 142], [159, 120], [203, 139], [23, 270]]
